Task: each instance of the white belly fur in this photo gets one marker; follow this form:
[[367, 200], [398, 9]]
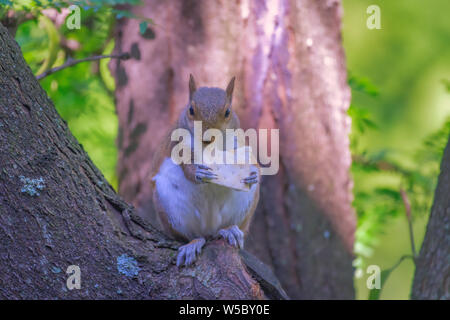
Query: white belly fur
[[199, 210]]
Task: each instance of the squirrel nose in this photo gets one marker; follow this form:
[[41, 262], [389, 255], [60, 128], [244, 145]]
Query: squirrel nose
[[210, 141]]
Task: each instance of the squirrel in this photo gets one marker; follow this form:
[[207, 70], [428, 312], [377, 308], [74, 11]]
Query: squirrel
[[188, 207]]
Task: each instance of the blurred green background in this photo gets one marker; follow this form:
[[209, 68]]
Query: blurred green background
[[400, 80], [402, 74]]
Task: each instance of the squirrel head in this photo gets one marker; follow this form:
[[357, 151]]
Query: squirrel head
[[212, 106]]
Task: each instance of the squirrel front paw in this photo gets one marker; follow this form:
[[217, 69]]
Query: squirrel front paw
[[203, 173], [188, 253], [251, 179], [234, 236]]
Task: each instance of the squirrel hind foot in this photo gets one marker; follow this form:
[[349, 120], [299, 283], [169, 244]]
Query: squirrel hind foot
[[188, 253], [234, 236]]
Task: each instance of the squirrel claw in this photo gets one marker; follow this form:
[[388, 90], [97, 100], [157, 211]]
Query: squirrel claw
[[203, 175], [234, 236], [253, 178], [202, 166], [188, 253]]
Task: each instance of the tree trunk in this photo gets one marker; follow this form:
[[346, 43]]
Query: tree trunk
[[432, 276], [291, 75], [57, 210]]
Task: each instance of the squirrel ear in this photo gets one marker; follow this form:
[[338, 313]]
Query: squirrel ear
[[192, 86], [230, 89]]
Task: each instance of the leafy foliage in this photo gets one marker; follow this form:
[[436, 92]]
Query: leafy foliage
[[379, 178], [363, 85], [375, 293], [6, 2], [36, 6], [82, 93]]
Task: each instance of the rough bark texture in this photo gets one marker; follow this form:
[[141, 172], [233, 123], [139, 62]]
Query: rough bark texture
[[291, 75], [56, 210], [432, 276]]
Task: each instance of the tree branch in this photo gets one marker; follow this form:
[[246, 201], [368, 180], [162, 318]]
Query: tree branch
[[382, 165], [71, 62], [407, 205], [431, 279]]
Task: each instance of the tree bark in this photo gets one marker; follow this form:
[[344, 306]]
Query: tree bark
[[432, 276], [56, 210], [291, 75]]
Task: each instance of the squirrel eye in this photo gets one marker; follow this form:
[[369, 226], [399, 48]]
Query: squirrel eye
[[191, 111], [227, 113]]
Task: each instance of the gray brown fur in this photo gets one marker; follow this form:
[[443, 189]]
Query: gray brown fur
[[210, 105]]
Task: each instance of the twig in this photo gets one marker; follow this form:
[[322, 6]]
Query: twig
[[406, 256], [374, 295], [70, 63], [407, 205], [382, 165]]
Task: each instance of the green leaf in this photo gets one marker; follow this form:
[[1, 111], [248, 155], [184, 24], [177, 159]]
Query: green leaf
[[363, 85], [446, 83], [143, 27], [53, 43], [123, 14], [6, 2], [374, 294], [105, 73]]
